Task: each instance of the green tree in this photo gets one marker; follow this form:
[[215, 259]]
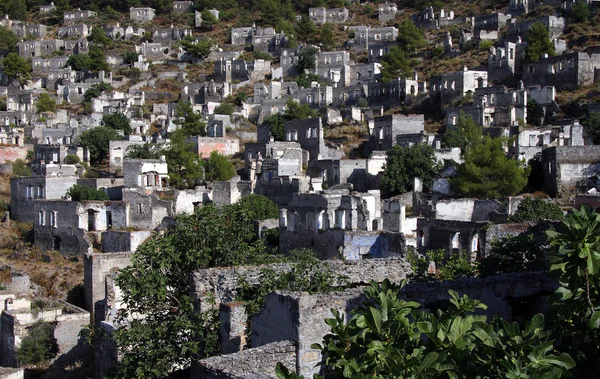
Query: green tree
[[521, 253], [16, 67], [85, 193], [39, 345], [466, 134], [208, 20], [488, 173], [575, 262], [536, 209], [218, 168], [580, 11], [198, 48], [296, 111], [591, 126], [392, 338], [327, 39], [403, 164], [410, 38], [306, 29], [396, 64], [225, 109], [307, 60], [80, 62], [188, 120], [45, 103], [98, 59], [185, 167], [18, 10], [98, 36], [538, 43], [276, 124], [20, 168], [130, 57], [274, 11], [117, 121], [260, 207], [8, 41], [145, 151], [97, 140]]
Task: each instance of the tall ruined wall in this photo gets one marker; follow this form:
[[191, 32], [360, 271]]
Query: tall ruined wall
[[96, 267]]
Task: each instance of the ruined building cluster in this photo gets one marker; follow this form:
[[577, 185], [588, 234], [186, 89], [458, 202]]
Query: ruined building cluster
[[329, 199]]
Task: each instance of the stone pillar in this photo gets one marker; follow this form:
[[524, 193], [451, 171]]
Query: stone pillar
[[233, 322]]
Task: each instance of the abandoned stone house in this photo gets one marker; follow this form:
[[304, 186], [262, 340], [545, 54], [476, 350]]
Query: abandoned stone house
[[336, 223], [396, 129], [565, 72], [376, 41], [263, 39], [428, 19], [170, 35], [29, 31], [52, 182], [387, 12], [241, 71], [531, 142], [142, 14], [555, 26], [455, 86], [487, 26], [30, 49], [322, 15], [47, 8], [309, 134], [77, 15], [180, 7], [40, 64], [362, 174], [70, 31], [518, 7], [569, 169], [203, 93]]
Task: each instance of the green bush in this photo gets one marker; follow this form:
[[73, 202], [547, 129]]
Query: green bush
[[72, 159], [39, 345], [84, 193]]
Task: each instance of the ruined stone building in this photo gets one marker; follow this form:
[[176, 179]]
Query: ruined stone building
[[457, 85], [396, 129], [322, 15]]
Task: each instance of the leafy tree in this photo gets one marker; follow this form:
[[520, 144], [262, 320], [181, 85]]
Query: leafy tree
[[97, 140], [8, 41], [580, 11], [218, 168], [225, 109], [80, 62], [20, 168], [260, 207], [184, 165], [98, 36], [45, 103], [410, 38], [18, 10], [276, 124], [466, 134], [296, 111], [208, 20], [575, 262], [591, 126], [198, 48], [488, 173], [395, 64], [307, 60], [85, 193], [117, 121], [538, 43], [16, 67], [403, 164], [306, 29], [130, 57], [189, 121], [392, 338], [327, 40], [521, 253], [305, 80], [535, 209], [457, 266], [72, 159], [98, 59], [145, 151], [274, 11], [240, 98], [156, 285], [39, 345]]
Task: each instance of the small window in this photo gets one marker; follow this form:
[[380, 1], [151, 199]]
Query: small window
[[53, 218], [41, 218], [140, 207]]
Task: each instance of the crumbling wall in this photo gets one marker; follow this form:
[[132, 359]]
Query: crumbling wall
[[258, 363], [96, 266]]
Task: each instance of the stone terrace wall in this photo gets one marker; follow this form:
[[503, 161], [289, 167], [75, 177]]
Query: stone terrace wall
[[258, 363], [222, 283]]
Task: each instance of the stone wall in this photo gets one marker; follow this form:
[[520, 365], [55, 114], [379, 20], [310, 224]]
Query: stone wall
[[12, 373], [96, 266], [224, 146], [12, 153], [258, 363], [114, 241], [222, 283], [467, 209]]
